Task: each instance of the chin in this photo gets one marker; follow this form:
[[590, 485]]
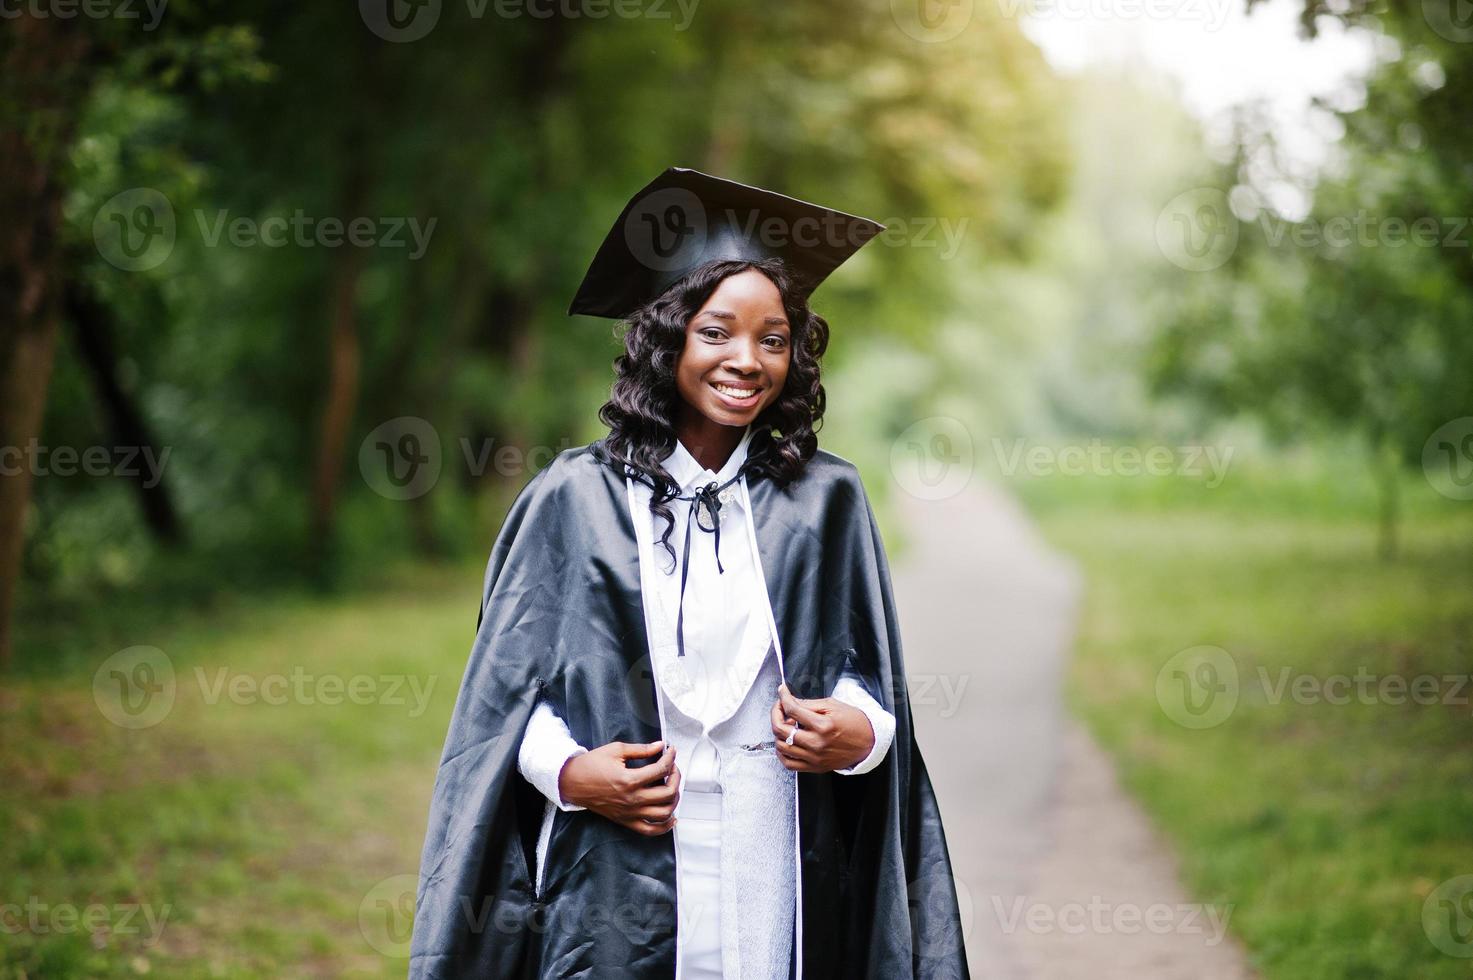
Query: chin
[[726, 416]]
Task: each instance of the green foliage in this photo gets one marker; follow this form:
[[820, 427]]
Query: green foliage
[[1351, 319], [512, 142]]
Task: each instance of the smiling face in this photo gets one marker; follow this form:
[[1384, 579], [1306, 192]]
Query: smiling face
[[736, 354]]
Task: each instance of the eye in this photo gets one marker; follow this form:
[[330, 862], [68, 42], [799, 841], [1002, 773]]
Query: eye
[[775, 342], [714, 333]]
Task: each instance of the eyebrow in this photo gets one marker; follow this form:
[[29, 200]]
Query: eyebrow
[[725, 315]]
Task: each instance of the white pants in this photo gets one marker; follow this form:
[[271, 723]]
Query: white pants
[[698, 840]]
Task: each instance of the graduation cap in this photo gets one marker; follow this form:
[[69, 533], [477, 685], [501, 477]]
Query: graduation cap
[[684, 218]]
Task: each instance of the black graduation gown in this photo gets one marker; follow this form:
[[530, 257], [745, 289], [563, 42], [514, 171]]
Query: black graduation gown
[[562, 617]]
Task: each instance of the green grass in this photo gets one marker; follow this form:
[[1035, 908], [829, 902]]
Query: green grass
[[1325, 826], [254, 832], [234, 837], [270, 839]]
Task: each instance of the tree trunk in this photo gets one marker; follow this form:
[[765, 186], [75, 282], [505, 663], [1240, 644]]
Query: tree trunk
[[1388, 493], [92, 324], [23, 385], [403, 392], [344, 356], [39, 97], [344, 346]]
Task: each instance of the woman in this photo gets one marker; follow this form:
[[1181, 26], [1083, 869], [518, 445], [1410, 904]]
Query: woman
[[744, 697]]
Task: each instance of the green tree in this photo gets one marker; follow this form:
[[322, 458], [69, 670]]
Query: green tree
[[1353, 317], [51, 67], [516, 140]]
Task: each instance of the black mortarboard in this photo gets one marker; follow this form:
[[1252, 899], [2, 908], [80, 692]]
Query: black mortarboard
[[684, 218]]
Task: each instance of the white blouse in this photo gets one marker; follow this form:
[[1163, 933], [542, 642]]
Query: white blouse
[[717, 609]]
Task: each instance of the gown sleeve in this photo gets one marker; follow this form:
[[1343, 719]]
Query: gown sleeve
[[852, 692], [546, 747]]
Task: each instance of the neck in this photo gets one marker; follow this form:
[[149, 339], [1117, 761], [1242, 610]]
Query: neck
[[711, 443]]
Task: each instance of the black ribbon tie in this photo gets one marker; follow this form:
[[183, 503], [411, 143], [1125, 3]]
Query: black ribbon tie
[[707, 495]]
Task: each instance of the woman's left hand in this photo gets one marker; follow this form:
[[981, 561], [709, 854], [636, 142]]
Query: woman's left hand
[[831, 734]]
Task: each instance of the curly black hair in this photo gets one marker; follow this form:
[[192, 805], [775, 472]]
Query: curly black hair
[[640, 412]]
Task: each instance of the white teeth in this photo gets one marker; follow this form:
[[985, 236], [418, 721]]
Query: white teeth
[[736, 392]]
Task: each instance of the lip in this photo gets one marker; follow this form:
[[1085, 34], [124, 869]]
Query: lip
[[732, 402]]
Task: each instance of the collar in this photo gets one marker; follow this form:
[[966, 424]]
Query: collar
[[689, 473]]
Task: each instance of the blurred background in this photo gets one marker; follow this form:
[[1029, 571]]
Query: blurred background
[[1159, 380]]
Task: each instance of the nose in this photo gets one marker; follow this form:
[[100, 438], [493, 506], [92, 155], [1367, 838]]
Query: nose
[[741, 357]]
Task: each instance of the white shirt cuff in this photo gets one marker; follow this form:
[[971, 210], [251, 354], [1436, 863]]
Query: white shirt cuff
[[546, 748], [852, 692]]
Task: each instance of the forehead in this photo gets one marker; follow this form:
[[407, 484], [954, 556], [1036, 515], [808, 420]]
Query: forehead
[[749, 294]]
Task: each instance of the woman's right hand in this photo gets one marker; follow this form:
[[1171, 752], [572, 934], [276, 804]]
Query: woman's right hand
[[641, 799]]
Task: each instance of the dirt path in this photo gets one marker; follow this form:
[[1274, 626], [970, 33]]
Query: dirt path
[[1060, 874]]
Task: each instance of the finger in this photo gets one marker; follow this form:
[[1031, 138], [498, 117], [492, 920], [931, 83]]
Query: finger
[[649, 829], [645, 799], [798, 765], [781, 722], [656, 795], [796, 753], [808, 733], [803, 753], [666, 794], [642, 752], [654, 774], [797, 708], [639, 750], [802, 738]]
